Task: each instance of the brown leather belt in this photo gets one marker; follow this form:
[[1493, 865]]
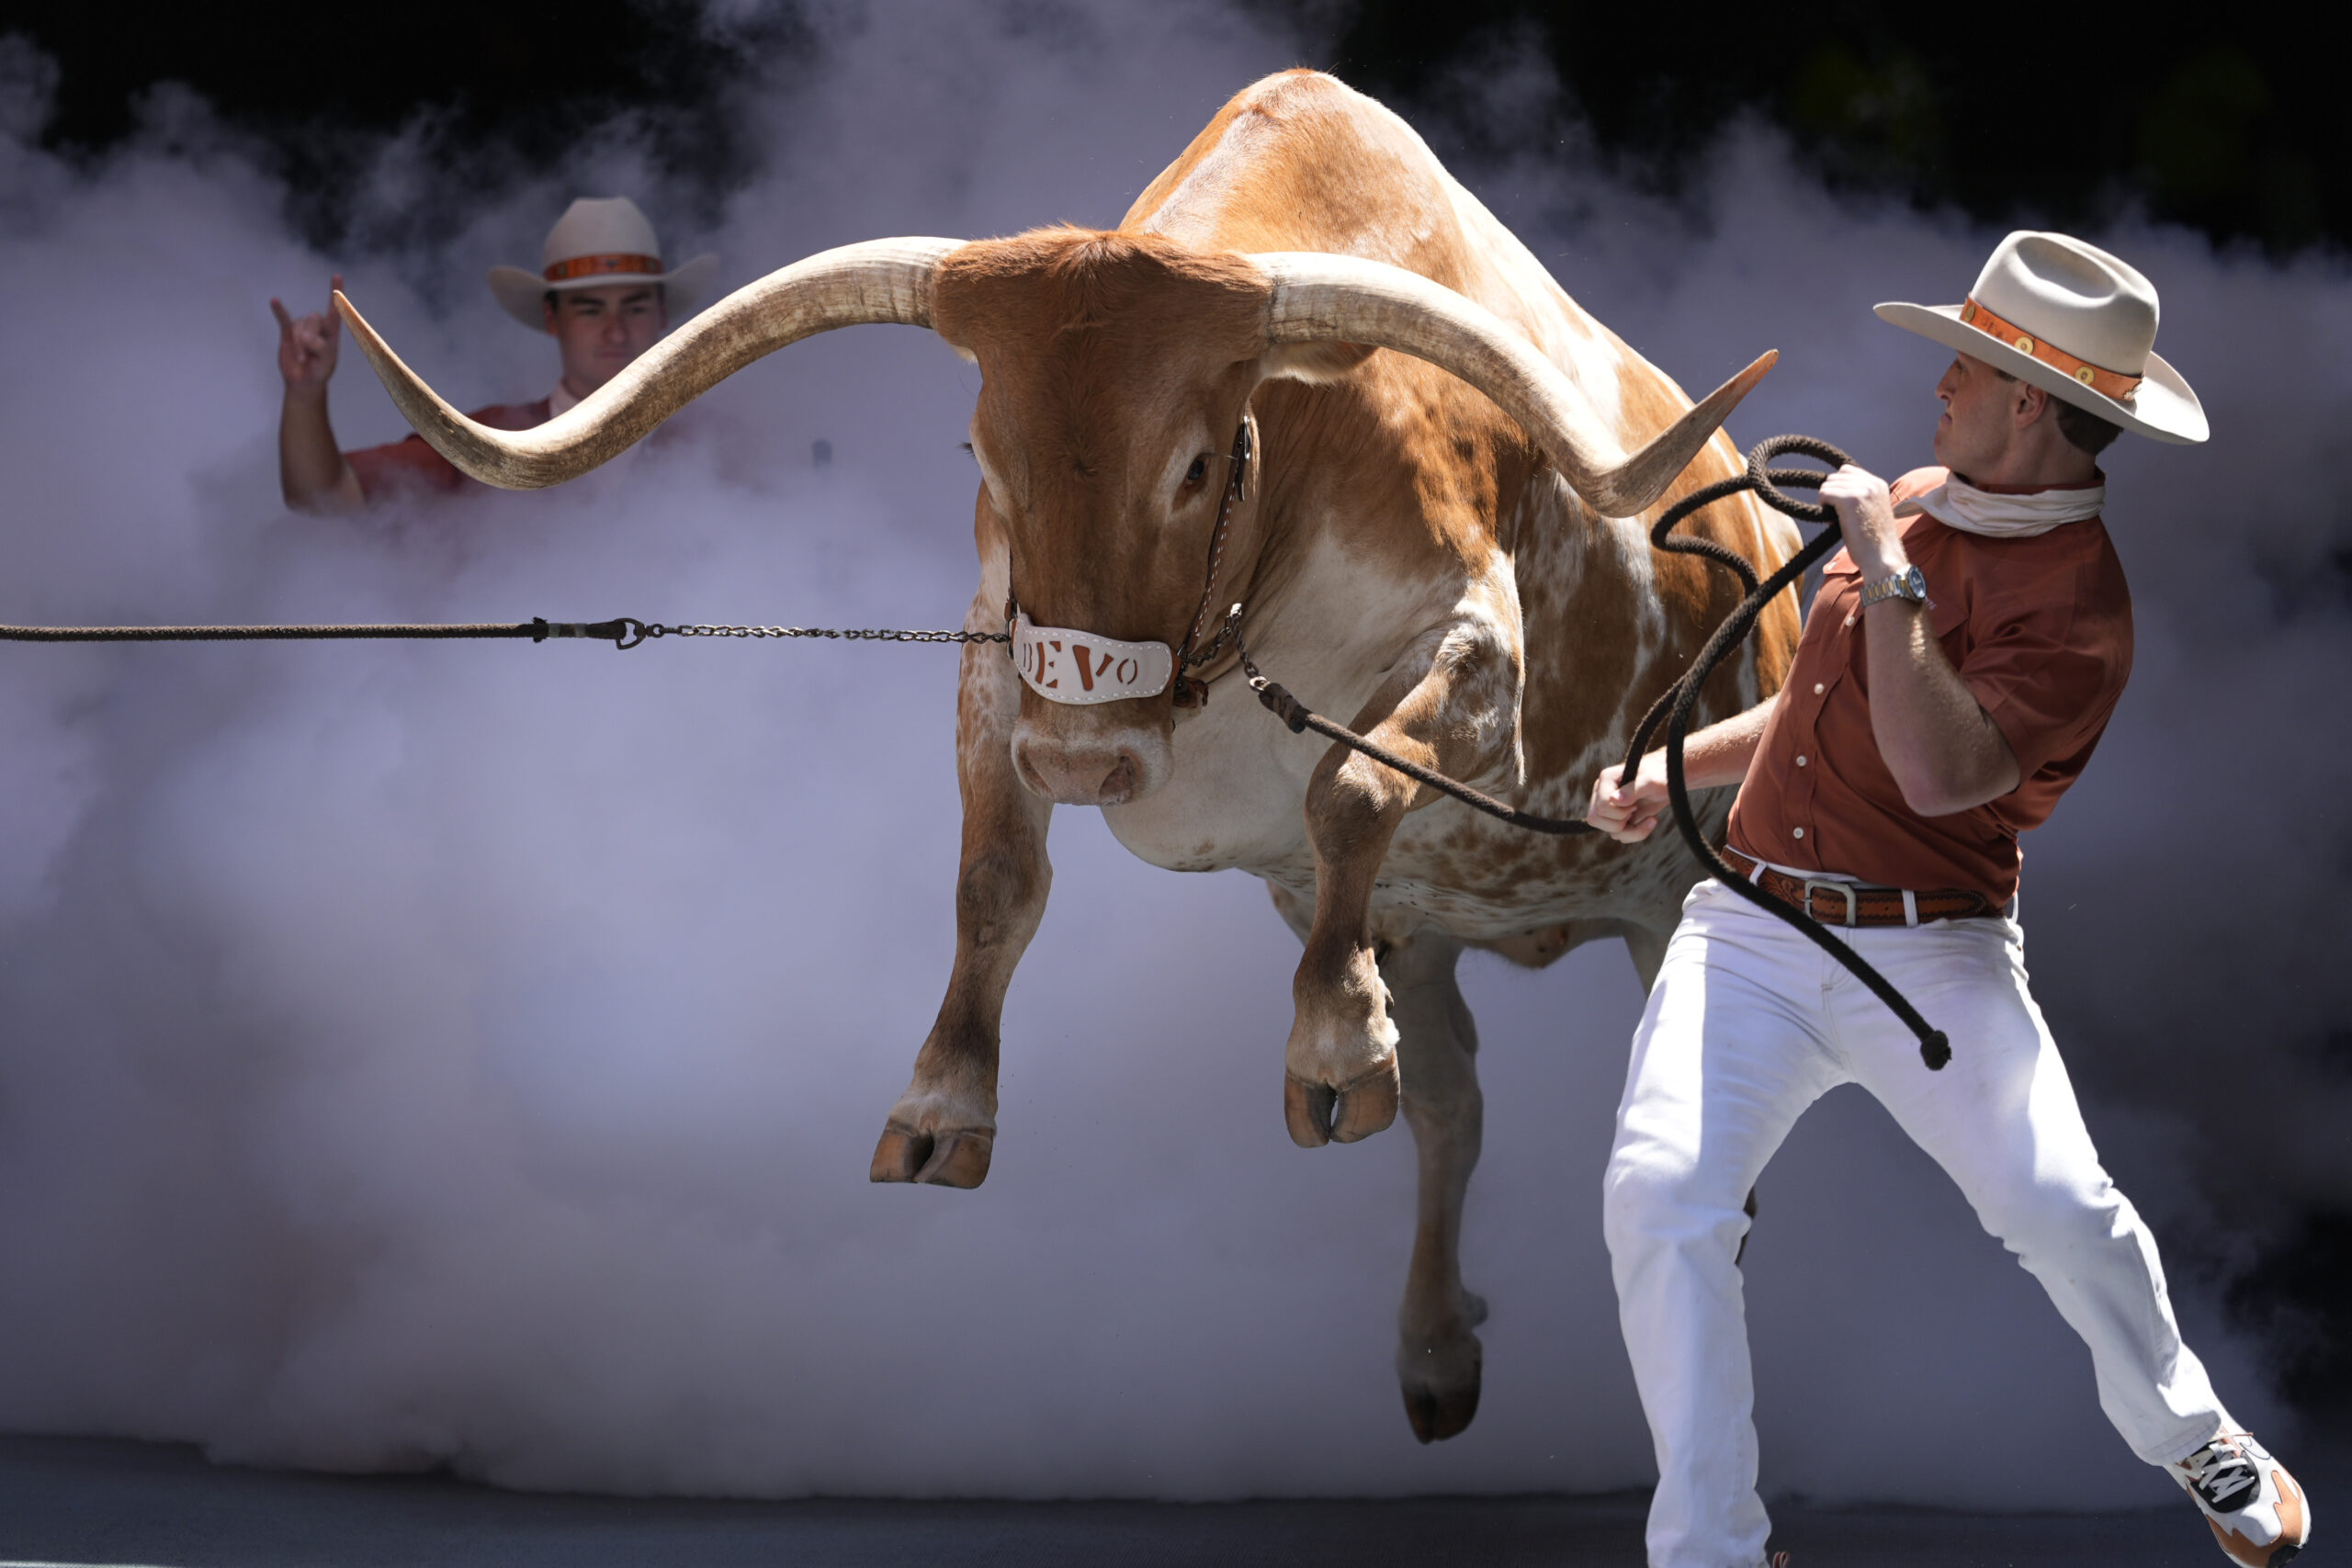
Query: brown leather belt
[[1850, 904]]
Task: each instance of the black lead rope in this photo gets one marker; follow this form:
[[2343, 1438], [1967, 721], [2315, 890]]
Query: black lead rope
[[1675, 707]]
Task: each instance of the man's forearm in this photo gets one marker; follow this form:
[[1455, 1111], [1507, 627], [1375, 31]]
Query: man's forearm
[[310, 470], [1942, 747], [1628, 809], [1934, 736], [1720, 754]]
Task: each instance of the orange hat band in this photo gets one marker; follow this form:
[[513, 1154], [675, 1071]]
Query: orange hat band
[[595, 266], [2110, 383]]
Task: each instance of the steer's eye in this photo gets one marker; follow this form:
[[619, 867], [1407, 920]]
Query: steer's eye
[[1198, 471]]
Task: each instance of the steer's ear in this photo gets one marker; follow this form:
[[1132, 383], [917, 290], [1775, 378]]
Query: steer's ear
[[1313, 362]]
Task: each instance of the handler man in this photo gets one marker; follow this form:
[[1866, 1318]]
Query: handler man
[[1955, 671], [601, 292]]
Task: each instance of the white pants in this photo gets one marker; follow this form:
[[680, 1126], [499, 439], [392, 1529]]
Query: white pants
[[1748, 1024]]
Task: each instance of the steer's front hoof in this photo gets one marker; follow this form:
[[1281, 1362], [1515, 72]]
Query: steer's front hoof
[[1319, 1114], [1308, 1108], [958, 1159], [954, 1158]]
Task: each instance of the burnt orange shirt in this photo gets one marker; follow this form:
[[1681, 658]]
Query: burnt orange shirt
[[412, 465], [2041, 631]]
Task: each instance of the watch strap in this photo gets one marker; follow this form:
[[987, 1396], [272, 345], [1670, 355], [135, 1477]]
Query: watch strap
[[1905, 584]]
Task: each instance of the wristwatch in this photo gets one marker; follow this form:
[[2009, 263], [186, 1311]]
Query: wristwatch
[[1909, 583]]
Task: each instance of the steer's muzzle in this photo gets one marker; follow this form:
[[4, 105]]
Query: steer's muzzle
[[1090, 764]]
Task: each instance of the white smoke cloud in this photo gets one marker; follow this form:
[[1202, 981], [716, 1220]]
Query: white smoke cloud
[[470, 1055]]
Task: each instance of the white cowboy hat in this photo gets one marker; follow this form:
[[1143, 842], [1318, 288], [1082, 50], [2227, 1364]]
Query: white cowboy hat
[[596, 244], [2076, 322]]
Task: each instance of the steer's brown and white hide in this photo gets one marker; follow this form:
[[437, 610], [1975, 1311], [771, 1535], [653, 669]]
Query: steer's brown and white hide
[[1449, 577], [1410, 562]]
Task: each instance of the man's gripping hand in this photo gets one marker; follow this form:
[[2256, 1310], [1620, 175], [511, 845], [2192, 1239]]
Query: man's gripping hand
[[1629, 813], [307, 345], [1866, 519]]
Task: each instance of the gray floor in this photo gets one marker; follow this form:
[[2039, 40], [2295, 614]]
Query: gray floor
[[87, 1502]]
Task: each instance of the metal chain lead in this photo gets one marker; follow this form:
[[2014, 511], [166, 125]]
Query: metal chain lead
[[654, 629]]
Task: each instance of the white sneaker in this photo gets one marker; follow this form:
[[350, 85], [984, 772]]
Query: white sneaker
[[2258, 1512]]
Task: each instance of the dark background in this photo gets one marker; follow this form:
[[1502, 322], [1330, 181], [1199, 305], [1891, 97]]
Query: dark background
[[2231, 130]]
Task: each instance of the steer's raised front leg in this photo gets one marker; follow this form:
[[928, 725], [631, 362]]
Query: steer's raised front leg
[[943, 1128], [1450, 704]]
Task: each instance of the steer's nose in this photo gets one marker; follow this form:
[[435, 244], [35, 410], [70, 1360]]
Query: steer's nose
[[1078, 775], [1126, 763]]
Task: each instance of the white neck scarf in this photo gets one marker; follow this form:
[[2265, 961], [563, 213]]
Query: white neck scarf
[[1962, 505]]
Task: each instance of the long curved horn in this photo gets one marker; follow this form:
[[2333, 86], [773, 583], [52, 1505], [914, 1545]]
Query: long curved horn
[[881, 280], [1318, 298]]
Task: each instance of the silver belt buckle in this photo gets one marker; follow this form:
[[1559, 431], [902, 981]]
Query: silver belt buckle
[[1844, 890]]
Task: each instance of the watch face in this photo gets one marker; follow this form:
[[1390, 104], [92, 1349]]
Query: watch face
[[1915, 584]]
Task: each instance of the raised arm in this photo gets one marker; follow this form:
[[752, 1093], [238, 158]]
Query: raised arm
[[310, 470], [1944, 751]]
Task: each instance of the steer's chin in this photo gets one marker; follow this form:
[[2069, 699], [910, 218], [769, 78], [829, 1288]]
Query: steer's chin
[[1110, 771]]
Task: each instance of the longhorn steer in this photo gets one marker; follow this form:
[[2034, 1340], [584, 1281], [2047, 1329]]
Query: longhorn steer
[[1443, 542]]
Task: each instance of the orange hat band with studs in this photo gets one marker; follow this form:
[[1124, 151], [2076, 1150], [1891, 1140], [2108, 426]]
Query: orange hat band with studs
[[591, 266], [2107, 383]]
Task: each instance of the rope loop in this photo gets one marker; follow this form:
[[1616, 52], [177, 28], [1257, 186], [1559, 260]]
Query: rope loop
[[1762, 479]]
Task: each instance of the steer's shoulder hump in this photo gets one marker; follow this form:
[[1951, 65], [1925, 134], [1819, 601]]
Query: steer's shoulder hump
[[1300, 161]]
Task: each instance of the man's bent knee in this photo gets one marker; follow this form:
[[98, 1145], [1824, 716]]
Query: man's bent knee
[[1661, 1201]]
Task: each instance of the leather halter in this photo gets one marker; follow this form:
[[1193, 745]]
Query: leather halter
[[1190, 693]]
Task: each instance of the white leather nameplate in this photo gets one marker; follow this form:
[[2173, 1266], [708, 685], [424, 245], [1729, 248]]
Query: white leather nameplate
[[1065, 666]]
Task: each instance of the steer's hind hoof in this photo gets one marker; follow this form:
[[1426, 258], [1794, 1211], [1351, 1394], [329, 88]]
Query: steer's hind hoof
[[1441, 1381], [1319, 1114], [947, 1159]]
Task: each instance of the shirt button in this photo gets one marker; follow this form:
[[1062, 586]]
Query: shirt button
[[1818, 688], [1799, 832], [1800, 761]]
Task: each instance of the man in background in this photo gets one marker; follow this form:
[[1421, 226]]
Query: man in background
[[602, 292]]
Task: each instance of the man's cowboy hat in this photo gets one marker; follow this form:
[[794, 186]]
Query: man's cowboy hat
[[2074, 321], [597, 243]]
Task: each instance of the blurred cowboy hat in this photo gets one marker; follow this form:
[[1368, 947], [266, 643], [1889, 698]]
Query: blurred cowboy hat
[[2076, 322], [596, 244]]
